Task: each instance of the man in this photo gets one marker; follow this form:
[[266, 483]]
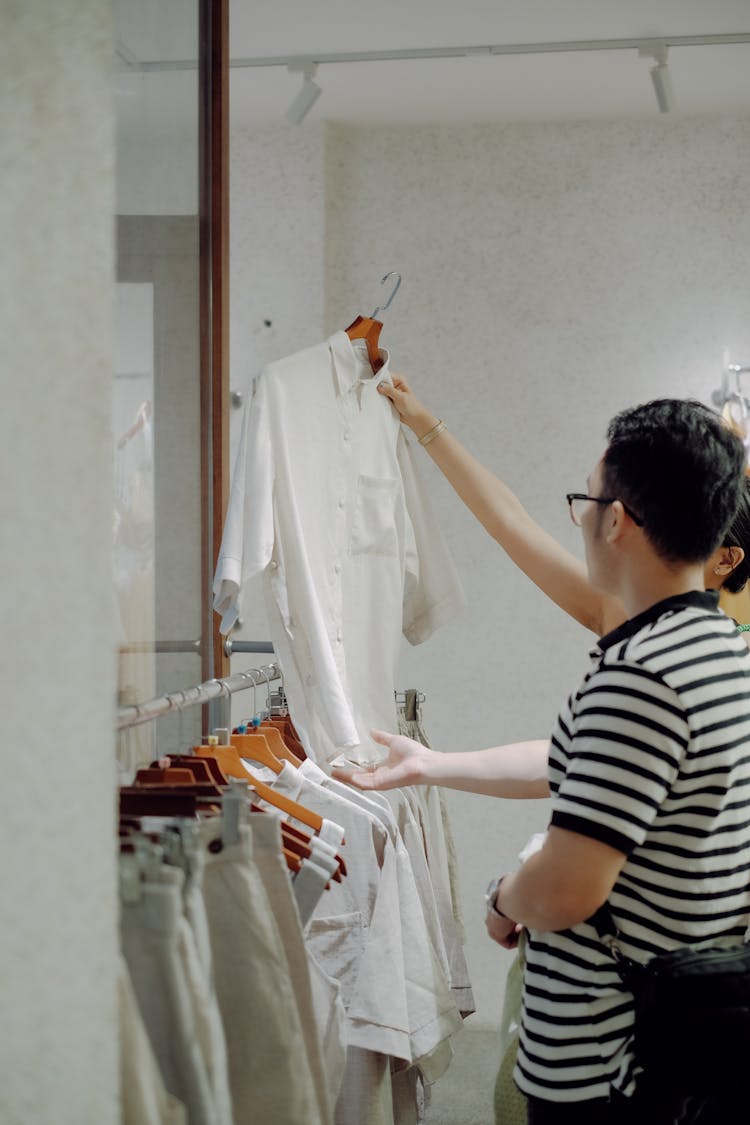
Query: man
[[649, 768], [646, 767]]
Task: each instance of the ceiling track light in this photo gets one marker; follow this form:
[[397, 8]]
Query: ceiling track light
[[307, 96], [660, 76]]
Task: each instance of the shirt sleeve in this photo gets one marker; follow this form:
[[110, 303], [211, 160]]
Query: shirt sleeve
[[629, 738], [248, 538], [432, 589]]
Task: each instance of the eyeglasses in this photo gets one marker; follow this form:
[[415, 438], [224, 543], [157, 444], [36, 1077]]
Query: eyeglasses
[[577, 499]]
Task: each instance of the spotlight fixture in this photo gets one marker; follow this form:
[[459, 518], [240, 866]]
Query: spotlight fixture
[[307, 96], [660, 76]]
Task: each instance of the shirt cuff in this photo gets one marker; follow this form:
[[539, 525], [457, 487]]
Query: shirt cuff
[[421, 627]]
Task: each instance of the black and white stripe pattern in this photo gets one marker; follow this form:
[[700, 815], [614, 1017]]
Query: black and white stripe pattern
[[651, 756]]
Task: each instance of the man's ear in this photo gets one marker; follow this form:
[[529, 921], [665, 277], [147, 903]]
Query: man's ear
[[729, 559], [618, 519]]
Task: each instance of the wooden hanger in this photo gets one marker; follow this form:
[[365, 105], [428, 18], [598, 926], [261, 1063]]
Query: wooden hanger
[[170, 775], [278, 743], [289, 737], [231, 765], [368, 328], [258, 748], [157, 801], [207, 766], [177, 778], [276, 751], [293, 861], [198, 767]]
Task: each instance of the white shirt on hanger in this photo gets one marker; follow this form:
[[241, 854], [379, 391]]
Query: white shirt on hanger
[[326, 502]]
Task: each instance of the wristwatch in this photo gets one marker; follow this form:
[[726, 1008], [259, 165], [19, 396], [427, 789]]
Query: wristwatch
[[490, 896]]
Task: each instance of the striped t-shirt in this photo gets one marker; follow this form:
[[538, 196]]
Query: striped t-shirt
[[651, 756]]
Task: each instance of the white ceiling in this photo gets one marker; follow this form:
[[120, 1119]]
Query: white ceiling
[[607, 84], [601, 84]]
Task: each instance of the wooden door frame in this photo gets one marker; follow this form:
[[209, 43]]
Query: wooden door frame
[[214, 312]]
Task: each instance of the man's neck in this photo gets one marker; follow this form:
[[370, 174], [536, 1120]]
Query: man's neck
[[654, 581]]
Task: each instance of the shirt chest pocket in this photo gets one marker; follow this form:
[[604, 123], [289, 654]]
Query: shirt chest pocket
[[374, 526]]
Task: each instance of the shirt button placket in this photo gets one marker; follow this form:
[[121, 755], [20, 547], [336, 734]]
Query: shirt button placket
[[342, 530]]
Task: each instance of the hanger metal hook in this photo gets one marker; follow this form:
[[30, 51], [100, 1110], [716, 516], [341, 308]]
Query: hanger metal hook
[[394, 291], [284, 708], [250, 675], [262, 672]]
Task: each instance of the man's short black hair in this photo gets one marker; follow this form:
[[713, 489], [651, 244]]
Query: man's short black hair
[[680, 469]]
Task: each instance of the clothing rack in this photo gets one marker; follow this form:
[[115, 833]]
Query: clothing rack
[[194, 696], [724, 394], [161, 647], [230, 646]]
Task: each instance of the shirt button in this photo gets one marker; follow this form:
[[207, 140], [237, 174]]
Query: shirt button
[[338, 637], [347, 435], [342, 503], [273, 565], [337, 568]]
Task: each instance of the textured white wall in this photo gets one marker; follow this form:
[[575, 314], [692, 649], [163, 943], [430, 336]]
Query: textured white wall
[[276, 262], [58, 1048], [552, 274]]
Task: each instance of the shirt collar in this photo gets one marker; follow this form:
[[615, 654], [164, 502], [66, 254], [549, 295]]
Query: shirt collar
[[349, 369], [694, 599]]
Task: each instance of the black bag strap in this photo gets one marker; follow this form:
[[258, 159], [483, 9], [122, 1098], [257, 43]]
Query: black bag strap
[[605, 926], [604, 923]]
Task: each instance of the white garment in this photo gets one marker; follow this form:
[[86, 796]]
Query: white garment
[[428, 805], [150, 928], [309, 884], [355, 932], [205, 1017], [144, 1099], [269, 1068], [433, 1015], [330, 1020], [269, 859], [366, 1097], [326, 502], [430, 812]]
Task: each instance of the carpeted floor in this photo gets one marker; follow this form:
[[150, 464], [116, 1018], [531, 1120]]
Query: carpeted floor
[[463, 1096]]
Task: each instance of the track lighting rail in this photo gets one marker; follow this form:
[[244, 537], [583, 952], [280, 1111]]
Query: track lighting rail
[[542, 48]]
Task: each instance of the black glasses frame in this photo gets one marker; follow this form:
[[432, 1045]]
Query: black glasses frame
[[571, 496]]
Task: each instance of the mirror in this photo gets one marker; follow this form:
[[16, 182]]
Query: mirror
[[156, 403]]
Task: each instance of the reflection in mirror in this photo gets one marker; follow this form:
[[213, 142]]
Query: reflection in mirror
[[134, 493], [157, 524]]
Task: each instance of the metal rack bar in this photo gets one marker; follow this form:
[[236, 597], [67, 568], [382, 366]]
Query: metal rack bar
[[162, 646], [194, 696], [231, 646]]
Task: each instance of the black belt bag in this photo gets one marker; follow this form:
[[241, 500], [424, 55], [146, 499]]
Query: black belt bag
[[692, 1013]]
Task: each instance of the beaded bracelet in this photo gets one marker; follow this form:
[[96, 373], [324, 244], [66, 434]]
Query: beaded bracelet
[[433, 433]]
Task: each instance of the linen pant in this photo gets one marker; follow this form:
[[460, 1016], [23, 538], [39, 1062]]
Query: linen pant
[[268, 857], [151, 933], [144, 1099], [269, 1070]]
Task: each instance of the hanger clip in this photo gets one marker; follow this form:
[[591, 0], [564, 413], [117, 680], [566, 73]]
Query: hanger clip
[[233, 805]]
